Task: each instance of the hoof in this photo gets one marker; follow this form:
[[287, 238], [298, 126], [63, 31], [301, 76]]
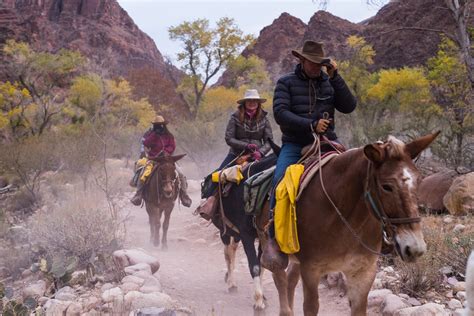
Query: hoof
[[232, 289], [164, 247], [260, 306], [156, 243]]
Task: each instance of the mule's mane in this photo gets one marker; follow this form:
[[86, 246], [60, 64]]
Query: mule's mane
[[395, 147]]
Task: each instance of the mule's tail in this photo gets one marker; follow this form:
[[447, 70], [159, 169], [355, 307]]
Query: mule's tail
[[469, 310]]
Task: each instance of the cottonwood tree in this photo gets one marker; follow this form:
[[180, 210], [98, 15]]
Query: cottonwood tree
[[206, 51], [45, 77]]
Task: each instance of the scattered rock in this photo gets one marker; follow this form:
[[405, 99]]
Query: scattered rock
[[391, 304], [461, 295], [154, 311], [131, 270], [56, 307], [65, 294], [35, 290], [376, 297], [25, 274], [459, 228], [430, 309], [182, 239], [133, 279], [448, 220], [377, 285], [74, 309], [106, 286], [454, 304], [446, 270], [413, 301], [127, 257], [129, 286], [138, 300], [200, 241], [109, 295], [459, 287]]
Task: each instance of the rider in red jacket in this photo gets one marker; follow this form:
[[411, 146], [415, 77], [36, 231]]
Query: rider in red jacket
[[158, 141]]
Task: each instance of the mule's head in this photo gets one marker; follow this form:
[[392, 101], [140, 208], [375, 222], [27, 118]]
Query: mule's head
[[393, 185], [167, 174]]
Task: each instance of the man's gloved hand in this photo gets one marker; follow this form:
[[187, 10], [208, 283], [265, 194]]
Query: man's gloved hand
[[321, 126], [331, 69], [256, 155], [251, 147]]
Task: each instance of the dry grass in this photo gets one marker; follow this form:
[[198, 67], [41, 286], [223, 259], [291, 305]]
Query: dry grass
[[445, 248]]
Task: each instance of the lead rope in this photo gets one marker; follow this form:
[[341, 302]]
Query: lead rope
[[354, 233]]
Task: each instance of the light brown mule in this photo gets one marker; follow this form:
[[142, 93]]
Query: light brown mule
[[160, 194], [388, 173]]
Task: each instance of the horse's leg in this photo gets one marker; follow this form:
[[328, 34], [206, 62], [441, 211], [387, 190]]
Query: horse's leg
[[151, 221], [281, 283], [254, 266], [230, 249], [157, 224], [293, 278], [166, 224], [310, 277], [359, 282]]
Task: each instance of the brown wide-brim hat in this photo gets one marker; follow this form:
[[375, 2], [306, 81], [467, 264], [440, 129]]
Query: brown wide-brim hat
[[159, 120], [312, 51], [251, 94]]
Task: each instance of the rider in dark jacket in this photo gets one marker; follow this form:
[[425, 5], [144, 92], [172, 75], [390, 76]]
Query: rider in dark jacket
[[300, 103], [248, 129]]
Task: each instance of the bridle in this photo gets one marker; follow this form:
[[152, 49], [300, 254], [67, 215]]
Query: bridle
[[388, 224], [162, 181]]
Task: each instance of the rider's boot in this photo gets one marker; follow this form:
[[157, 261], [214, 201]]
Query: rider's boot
[[183, 194], [272, 258], [138, 197]]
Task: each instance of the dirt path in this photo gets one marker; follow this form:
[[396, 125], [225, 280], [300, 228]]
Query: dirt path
[[193, 268]]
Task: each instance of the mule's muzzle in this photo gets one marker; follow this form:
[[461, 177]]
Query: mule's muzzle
[[410, 246]]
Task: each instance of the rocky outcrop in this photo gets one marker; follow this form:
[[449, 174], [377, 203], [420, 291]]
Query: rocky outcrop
[[274, 45], [100, 29], [403, 33]]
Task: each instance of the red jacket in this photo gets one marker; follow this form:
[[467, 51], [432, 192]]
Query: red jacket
[[159, 143]]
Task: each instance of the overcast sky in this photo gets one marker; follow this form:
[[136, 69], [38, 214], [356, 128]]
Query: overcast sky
[[154, 17]]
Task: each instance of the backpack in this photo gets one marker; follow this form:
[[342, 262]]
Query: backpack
[[256, 190]]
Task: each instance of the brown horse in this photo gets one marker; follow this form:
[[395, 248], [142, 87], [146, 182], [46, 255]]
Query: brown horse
[[370, 192], [160, 194]]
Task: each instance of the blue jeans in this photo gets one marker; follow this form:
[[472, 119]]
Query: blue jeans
[[290, 154]]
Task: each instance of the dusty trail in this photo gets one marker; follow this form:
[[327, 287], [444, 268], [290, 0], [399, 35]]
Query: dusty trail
[[193, 268]]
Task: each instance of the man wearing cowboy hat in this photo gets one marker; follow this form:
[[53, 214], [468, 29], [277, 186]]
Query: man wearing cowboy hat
[[305, 101], [156, 142]]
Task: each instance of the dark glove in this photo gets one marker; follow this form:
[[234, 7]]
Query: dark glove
[[251, 147]]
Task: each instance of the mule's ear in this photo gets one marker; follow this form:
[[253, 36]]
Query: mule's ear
[[178, 157], [414, 148], [374, 153]]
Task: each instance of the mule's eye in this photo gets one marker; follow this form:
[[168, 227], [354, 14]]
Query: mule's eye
[[387, 188]]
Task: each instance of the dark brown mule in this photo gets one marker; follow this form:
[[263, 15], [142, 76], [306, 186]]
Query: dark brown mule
[[379, 178], [160, 194]]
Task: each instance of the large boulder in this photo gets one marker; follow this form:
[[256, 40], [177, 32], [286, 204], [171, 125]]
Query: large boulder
[[433, 188], [430, 309], [459, 200], [35, 290]]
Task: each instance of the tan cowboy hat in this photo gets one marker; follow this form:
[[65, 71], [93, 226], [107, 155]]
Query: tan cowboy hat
[[159, 120], [312, 51], [251, 94]]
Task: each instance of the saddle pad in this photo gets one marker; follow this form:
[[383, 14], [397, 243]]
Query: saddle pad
[[312, 168]]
